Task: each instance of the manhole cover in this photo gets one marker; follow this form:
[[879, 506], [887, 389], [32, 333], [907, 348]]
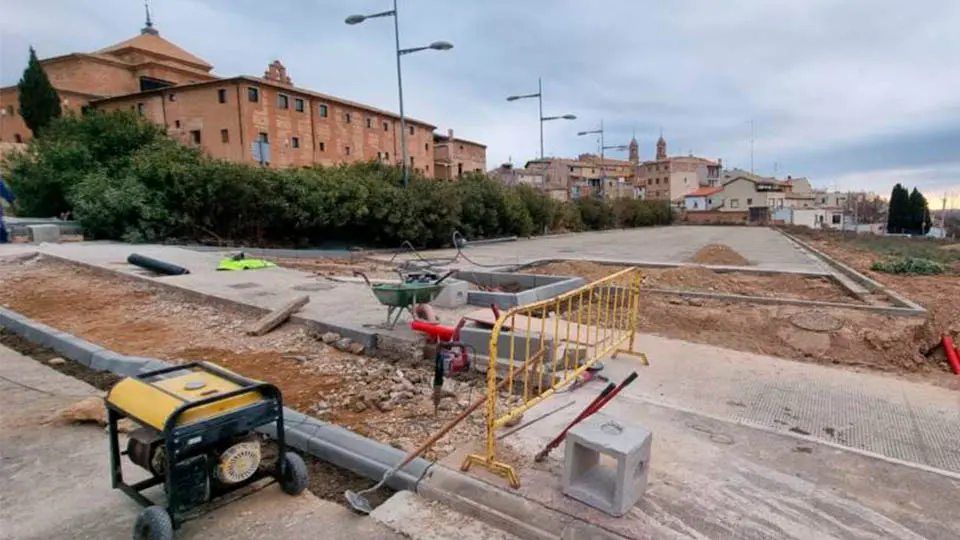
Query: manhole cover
[[816, 321]]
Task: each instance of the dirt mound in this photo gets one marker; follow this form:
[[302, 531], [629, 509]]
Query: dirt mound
[[684, 277], [719, 254]]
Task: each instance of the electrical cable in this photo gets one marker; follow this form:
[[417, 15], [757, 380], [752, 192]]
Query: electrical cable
[[430, 264]]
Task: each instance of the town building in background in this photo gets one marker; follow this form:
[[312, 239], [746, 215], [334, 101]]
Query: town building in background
[[453, 157], [258, 120], [671, 178], [509, 175]]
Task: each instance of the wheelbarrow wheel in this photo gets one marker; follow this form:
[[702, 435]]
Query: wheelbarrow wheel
[[295, 475], [153, 523]]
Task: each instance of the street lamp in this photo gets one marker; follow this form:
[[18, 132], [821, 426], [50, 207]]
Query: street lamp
[[435, 46], [603, 148], [539, 96]]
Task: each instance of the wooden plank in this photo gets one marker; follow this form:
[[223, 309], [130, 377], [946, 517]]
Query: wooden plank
[[275, 318]]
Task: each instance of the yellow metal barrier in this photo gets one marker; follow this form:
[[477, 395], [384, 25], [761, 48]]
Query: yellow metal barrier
[[542, 347]]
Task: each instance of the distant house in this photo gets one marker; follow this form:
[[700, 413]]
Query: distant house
[[703, 199]]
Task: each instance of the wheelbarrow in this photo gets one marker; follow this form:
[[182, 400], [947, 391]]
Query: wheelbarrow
[[403, 296]]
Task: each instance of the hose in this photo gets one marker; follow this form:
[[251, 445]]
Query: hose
[[429, 264]]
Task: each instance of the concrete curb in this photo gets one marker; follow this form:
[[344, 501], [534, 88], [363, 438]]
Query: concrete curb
[[320, 439], [868, 283], [368, 339], [504, 509], [666, 264]]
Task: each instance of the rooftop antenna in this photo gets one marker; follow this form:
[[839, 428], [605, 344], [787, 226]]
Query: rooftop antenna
[[752, 137]]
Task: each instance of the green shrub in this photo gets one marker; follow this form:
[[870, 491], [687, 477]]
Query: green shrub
[[124, 179], [908, 265]]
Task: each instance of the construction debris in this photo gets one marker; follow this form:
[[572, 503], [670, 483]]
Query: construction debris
[[90, 410], [275, 318]]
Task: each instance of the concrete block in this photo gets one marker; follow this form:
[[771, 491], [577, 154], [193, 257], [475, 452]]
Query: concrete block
[[107, 360], [38, 333], [587, 479], [44, 233], [453, 294], [74, 348], [152, 364]]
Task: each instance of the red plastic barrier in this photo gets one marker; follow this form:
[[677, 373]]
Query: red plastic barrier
[[434, 330], [953, 356]]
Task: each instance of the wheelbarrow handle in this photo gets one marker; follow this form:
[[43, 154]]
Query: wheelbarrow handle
[[364, 276]]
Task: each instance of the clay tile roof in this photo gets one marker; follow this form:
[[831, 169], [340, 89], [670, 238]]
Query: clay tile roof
[[704, 192], [155, 44]]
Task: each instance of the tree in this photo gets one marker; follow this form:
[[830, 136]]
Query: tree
[[39, 102], [898, 214], [918, 214]]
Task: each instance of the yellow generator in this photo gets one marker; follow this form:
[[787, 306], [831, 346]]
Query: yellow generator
[[196, 439]]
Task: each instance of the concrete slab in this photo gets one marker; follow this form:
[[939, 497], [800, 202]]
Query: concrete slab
[[763, 247], [717, 479], [417, 517], [43, 233], [54, 479]]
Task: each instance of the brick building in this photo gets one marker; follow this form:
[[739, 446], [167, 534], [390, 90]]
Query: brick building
[[243, 118], [591, 176], [671, 178], [453, 157]]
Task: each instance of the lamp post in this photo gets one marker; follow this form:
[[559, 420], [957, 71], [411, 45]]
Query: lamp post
[[436, 46], [539, 96], [603, 148]]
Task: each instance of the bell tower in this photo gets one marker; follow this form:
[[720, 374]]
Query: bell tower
[[661, 147]]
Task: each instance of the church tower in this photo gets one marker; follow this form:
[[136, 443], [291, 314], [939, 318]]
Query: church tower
[[661, 148], [634, 150]]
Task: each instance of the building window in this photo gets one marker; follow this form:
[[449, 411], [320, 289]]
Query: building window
[[459, 170], [658, 181], [224, 136], [369, 122], [264, 138], [195, 136], [253, 94], [461, 147], [734, 203], [346, 117], [346, 150], [379, 155], [17, 138], [295, 142], [426, 146], [411, 130], [298, 105], [695, 205], [323, 147], [283, 102], [140, 109], [222, 95], [836, 219], [749, 202], [323, 111], [386, 126], [176, 124], [411, 162], [386, 156], [173, 97]]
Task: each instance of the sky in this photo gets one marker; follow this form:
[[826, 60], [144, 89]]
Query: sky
[[854, 94]]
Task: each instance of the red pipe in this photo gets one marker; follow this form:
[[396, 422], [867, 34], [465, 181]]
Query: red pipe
[[953, 355], [434, 330]]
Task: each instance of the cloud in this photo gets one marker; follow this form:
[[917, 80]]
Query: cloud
[[835, 89]]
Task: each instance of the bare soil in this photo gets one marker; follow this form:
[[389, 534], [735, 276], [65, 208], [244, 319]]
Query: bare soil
[[719, 254], [863, 340], [145, 320], [701, 279]]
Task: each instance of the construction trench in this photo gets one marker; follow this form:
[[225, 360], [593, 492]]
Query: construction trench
[[387, 397]]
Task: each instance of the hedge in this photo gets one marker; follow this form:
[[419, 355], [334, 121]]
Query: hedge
[[124, 179]]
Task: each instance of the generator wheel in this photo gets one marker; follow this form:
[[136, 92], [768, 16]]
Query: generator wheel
[[153, 523], [295, 474]]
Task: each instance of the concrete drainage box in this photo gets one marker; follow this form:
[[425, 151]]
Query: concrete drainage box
[[508, 290]]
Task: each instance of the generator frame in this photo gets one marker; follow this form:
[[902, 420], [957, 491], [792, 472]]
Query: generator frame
[[180, 440]]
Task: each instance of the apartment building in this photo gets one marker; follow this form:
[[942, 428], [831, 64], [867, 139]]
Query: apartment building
[[453, 157], [591, 175], [671, 178]]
